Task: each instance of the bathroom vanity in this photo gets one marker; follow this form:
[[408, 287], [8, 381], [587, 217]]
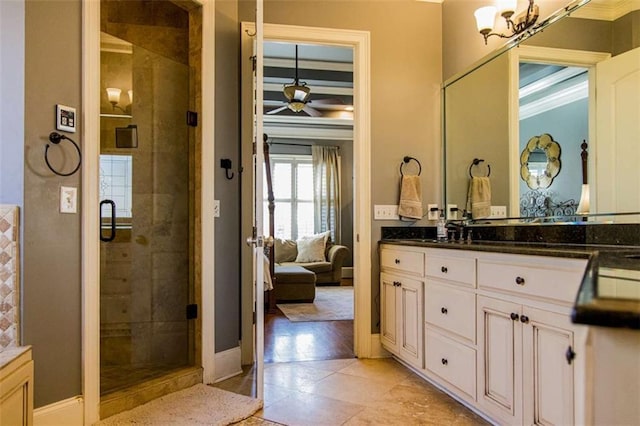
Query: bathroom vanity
[[490, 322], [16, 386]]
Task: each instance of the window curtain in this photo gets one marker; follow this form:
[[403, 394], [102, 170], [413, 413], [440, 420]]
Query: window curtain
[[326, 190]]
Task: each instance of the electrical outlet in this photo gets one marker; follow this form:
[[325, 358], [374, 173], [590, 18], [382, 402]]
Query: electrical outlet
[[431, 213], [452, 212], [68, 199], [216, 208], [498, 212], [385, 212]]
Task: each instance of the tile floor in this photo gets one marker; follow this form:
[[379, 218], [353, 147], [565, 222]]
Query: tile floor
[[349, 392]]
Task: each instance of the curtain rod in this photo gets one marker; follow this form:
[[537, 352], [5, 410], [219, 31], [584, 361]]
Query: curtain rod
[[299, 144]]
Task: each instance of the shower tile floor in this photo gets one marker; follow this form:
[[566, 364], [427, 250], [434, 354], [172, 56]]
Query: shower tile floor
[[118, 377]]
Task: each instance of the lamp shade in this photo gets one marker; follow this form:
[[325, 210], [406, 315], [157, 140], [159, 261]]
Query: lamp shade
[[485, 18], [507, 7], [583, 205], [113, 94]]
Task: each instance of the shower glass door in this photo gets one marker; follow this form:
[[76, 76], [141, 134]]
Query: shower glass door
[[147, 225]]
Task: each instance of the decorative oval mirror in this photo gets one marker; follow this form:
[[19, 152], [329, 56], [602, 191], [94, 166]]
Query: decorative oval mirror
[[540, 161]]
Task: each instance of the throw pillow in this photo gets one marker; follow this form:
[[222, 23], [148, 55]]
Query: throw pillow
[[311, 249], [285, 250]]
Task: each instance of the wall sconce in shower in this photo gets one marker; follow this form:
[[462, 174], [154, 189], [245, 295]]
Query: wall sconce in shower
[[113, 95], [486, 17]]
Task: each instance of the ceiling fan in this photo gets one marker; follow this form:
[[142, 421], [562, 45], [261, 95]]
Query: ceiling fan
[[298, 94]]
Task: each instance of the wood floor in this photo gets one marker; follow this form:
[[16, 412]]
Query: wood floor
[[287, 341]]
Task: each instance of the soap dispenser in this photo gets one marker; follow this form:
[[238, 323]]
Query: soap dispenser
[[441, 227]]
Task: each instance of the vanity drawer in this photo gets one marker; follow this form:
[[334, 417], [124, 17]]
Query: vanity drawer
[[543, 277], [461, 270], [453, 361], [410, 262], [451, 309]]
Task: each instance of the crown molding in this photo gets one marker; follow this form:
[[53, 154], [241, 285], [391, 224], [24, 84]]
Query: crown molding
[[606, 10]]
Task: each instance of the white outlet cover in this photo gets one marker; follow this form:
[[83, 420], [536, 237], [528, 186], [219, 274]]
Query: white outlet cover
[[432, 215], [68, 199]]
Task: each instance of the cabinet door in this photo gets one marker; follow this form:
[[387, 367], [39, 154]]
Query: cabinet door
[[411, 324], [389, 310], [548, 352], [500, 359]]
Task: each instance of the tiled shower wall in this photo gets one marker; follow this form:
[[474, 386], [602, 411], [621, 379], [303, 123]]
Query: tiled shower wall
[[9, 276]]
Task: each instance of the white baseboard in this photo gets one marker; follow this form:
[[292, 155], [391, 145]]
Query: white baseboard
[[228, 363], [68, 412], [377, 351], [347, 272]]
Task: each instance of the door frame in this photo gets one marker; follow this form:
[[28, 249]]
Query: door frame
[[90, 244], [360, 42], [554, 56]]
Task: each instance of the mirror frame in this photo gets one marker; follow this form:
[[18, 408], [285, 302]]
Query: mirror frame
[[552, 151]]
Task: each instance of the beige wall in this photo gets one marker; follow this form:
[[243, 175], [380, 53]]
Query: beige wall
[[405, 90], [51, 269]]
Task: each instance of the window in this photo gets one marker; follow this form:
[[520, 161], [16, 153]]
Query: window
[[292, 177], [116, 184]]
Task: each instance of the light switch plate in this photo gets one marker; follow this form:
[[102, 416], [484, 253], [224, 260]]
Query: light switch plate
[[68, 199], [65, 118], [498, 212], [385, 212]]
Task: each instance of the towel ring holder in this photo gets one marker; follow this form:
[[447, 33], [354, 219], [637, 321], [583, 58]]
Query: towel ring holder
[[55, 138], [475, 162], [406, 160]]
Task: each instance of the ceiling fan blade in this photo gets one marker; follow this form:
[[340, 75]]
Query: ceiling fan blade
[[277, 110], [332, 101], [311, 111]]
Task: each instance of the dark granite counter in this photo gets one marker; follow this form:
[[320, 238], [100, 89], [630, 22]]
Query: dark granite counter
[[612, 251]]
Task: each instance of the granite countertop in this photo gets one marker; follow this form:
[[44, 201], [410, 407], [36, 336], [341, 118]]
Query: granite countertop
[[592, 307], [9, 354]]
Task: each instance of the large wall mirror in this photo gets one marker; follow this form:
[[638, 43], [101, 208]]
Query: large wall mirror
[[547, 85]]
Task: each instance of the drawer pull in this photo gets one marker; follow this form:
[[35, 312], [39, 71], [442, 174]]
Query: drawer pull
[[519, 280], [444, 269], [444, 361], [524, 319], [397, 283], [514, 316], [397, 261], [443, 310]]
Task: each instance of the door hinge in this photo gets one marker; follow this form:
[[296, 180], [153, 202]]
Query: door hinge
[[192, 118], [254, 62], [192, 311]]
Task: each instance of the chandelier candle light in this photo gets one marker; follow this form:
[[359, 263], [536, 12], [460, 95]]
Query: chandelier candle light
[[486, 17]]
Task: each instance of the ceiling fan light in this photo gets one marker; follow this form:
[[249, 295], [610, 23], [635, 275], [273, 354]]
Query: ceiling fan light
[[296, 93], [296, 106]]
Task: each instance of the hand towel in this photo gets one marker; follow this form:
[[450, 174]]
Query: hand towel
[[268, 284], [479, 197], [410, 205]]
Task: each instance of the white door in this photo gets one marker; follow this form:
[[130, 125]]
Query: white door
[[548, 358], [618, 134], [411, 324], [499, 359], [389, 311], [257, 240]]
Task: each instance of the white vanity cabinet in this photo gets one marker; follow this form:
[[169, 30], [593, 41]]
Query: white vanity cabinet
[[450, 320], [497, 329], [401, 296], [527, 344], [16, 386]]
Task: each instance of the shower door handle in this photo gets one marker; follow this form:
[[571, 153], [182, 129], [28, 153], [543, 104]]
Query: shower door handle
[[112, 235]]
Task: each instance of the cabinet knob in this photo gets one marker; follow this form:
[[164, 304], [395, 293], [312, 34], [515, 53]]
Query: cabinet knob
[[397, 283], [519, 280], [444, 361], [524, 319], [514, 316], [444, 269], [570, 355], [397, 261], [443, 310]]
